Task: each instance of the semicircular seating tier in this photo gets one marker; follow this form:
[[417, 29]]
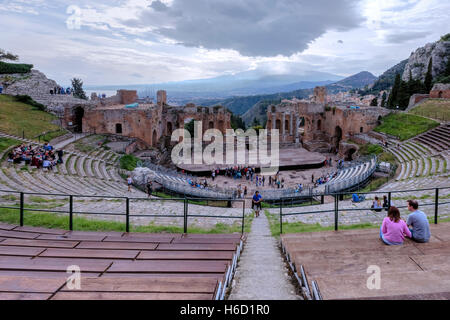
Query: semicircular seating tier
[[34, 264]]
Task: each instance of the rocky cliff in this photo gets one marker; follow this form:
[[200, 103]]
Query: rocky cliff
[[419, 60], [36, 85]]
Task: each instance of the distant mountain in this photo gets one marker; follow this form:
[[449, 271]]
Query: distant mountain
[[386, 80], [359, 80], [253, 106], [254, 82]]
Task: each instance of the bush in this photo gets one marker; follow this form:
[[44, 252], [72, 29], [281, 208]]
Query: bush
[[9, 68], [129, 162], [28, 100]]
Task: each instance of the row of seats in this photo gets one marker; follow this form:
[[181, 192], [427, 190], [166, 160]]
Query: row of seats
[[437, 139], [113, 265], [351, 176], [94, 174], [418, 160], [340, 264]]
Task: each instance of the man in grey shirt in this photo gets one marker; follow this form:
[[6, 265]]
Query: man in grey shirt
[[418, 223]]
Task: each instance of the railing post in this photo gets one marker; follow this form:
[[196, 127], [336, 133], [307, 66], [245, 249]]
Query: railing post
[[127, 228], [21, 208], [389, 200], [281, 216], [71, 213], [436, 206], [243, 216], [336, 212], [186, 216]]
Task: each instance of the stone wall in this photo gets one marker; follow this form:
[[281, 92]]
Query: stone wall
[[325, 126], [440, 91]]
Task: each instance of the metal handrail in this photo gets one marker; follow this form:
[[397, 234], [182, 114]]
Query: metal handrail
[[338, 195], [186, 200]]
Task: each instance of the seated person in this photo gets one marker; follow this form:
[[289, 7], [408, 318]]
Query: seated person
[[358, 198], [377, 205], [47, 164], [394, 229], [418, 223]]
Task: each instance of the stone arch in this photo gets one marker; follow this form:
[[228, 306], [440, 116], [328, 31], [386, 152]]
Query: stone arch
[[78, 123], [169, 128], [286, 126], [154, 138], [118, 128], [440, 94], [361, 130], [319, 125], [337, 136], [211, 125], [349, 154], [278, 124]]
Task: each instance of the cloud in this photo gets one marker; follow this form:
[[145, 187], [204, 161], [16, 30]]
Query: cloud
[[397, 38], [340, 41], [251, 27]]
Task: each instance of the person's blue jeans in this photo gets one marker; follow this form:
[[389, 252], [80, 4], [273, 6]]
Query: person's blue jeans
[[387, 242]]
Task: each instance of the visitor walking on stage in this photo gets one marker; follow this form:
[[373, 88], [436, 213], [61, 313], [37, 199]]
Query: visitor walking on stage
[[130, 182], [256, 203]]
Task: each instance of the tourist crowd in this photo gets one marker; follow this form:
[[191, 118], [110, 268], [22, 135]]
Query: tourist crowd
[[61, 90], [38, 156]]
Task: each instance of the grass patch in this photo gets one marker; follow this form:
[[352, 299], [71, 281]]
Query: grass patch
[[370, 149], [286, 204], [57, 221], [387, 157], [405, 126], [5, 143], [18, 116], [300, 227], [129, 162], [435, 109], [374, 185], [85, 148]]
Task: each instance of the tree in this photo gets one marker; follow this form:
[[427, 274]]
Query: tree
[[8, 56], [393, 101], [78, 91], [403, 95], [255, 122], [237, 122], [383, 100], [374, 103], [190, 127], [444, 77], [429, 77]]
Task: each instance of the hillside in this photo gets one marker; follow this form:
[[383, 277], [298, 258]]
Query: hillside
[[241, 105], [17, 117], [417, 65], [359, 80]]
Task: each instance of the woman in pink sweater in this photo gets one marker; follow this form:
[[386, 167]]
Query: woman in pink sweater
[[394, 229]]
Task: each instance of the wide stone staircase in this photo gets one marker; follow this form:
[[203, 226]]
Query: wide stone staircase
[[91, 174], [424, 156], [339, 265]]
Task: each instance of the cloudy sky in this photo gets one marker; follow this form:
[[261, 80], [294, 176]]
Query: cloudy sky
[[152, 41]]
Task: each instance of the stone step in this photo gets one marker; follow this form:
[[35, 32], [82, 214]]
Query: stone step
[[80, 166]]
